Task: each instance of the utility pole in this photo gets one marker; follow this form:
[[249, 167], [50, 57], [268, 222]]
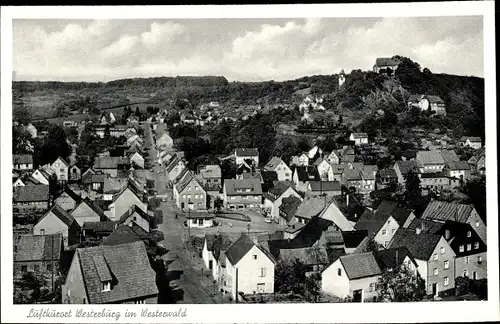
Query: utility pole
[[52, 263], [236, 287]]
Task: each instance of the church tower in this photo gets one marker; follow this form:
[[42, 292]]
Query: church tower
[[341, 78]]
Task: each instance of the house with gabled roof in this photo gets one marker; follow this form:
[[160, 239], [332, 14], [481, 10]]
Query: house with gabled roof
[[428, 102], [287, 209], [164, 142], [22, 162], [39, 254], [277, 165], [302, 175], [325, 169], [111, 164], [470, 249], [242, 154], [300, 160], [211, 176], [122, 201], [353, 276], [97, 231], [87, 178], [384, 63], [242, 193], [478, 161], [359, 138], [57, 220], [75, 173], [110, 274], [174, 167], [68, 199], [42, 176], [249, 268], [324, 188], [61, 169], [433, 255], [214, 246], [135, 215], [189, 193], [322, 207], [137, 160], [35, 196], [459, 170], [383, 223], [274, 197], [442, 211], [472, 142]]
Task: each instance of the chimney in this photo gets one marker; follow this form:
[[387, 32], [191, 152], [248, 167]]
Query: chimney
[[447, 235]]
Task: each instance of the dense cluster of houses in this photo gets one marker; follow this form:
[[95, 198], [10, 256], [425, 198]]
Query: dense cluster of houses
[[94, 233]]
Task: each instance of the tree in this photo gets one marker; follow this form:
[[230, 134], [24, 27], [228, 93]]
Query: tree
[[290, 277], [209, 201], [21, 114], [372, 246], [53, 146], [313, 286], [340, 120], [400, 285], [218, 204], [29, 283], [412, 185], [21, 141]]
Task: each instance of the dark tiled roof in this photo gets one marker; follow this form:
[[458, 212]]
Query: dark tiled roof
[[393, 208], [92, 206], [134, 209], [289, 206], [126, 234], [385, 61], [269, 176], [360, 265], [239, 249], [22, 159], [420, 245], [430, 157], [325, 185], [61, 214], [458, 236], [106, 226], [109, 162], [37, 247], [128, 266], [334, 254], [371, 222], [273, 163], [276, 191], [443, 210], [98, 178], [233, 185], [426, 225], [449, 156], [73, 195], [392, 258], [311, 207], [352, 239], [388, 173], [434, 99], [307, 173], [460, 165], [247, 152], [31, 193], [311, 232], [433, 175]]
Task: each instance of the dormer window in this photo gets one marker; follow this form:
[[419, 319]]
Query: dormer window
[[106, 286]]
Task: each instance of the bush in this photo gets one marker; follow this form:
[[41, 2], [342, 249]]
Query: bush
[[462, 285]]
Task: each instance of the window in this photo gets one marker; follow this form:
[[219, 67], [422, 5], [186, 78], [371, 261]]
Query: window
[[371, 288], [106, 286], [196, 188], [446, 281], [466, 273], [24, 268], [441, 250], [49, 267], [446, 264], [461, 248], [61, 170], [469, 247], [255, 256], [339, 272], [479, 259], [469, 234], [189, 196], [36, 268], [42, 231], [384, 232], [262, 272], [466, 260], [435, 256], [436, 271], [189, 188], [183, 196], [140, 301], [477, 223], [476, 245], [386, 243]]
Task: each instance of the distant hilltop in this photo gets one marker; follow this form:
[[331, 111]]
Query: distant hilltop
[[179, 81]]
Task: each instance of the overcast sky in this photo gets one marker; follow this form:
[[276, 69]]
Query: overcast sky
[[239, 49]]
